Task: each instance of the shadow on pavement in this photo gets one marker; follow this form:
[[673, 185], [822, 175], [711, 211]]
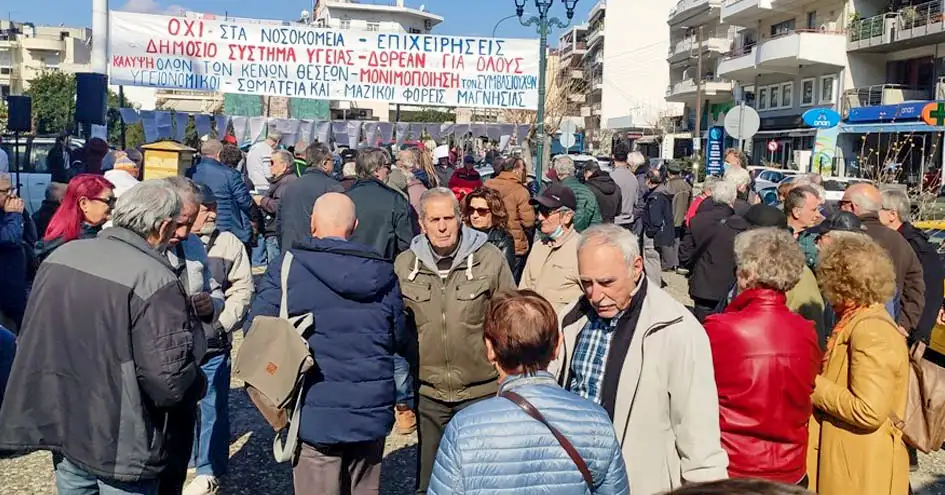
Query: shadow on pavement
[[399, 472], [252, 469]]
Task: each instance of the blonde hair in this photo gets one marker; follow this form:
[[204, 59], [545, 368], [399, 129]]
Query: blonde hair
[[769, 257], [853, 269]]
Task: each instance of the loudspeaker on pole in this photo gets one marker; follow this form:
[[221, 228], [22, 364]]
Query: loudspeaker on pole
[[20, 114], [91, 98]]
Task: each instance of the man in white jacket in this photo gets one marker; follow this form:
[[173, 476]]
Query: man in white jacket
[[123, 174], [642, 356], [228, 263]]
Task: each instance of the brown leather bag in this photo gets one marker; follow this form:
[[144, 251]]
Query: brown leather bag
[[565, 443], [924, 424]]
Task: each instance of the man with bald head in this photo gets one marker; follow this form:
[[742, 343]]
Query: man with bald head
[[865, 201], [359, 325]]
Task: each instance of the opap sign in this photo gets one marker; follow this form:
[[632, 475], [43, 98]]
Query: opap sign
[[821, 118]]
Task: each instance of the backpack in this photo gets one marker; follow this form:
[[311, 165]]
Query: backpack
[[923, 426], [273, 361]]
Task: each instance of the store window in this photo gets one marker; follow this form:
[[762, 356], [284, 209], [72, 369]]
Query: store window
[[807, 92]]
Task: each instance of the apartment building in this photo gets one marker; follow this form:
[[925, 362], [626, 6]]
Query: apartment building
[[625, 72], [27, 50], [569, 75], [694, 27]]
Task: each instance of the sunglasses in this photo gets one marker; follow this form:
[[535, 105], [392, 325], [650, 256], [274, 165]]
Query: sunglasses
[[479, 211], [110, 202], [546, 212], [843, 202]]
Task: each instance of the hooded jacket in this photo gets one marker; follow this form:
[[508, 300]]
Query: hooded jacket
[[98, 387], [934, 275], [609, 197], [521, 214], [448, 312], [359, 325]]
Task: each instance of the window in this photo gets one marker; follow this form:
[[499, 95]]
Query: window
[[782, 28], [826, 89], [345, 24], [414, 31], [373, 26], [748, 94], [4, 91], [762, 98], [812, 20], [807, 92], [774, 97], [787, 94]]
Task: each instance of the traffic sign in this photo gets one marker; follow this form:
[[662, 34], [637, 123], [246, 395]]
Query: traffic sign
[[821, 118], [934, 113], [742, 122], [772, 145], [567, 130]]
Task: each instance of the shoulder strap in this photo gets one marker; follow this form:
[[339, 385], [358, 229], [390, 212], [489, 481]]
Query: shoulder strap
[[565, 443], [284, 279], [213, 240]]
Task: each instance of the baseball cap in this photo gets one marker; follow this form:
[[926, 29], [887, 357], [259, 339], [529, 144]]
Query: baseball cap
[[348, 155], [555, 196], [841, 221]]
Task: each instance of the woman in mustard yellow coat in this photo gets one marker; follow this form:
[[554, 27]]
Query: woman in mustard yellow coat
[[854, 447]]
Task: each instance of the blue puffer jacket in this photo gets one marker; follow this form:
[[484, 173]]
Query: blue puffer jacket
[[359, 324], [494, 447], [233, 200]]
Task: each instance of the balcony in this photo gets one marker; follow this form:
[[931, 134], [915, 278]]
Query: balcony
[[882, 94], [718, 42], [596, 10], [577, 98], [42, 44], [686, 8], [577, 74], [685, 91], [568, 48], [907, 27], [596, 109], [784, 53], [595, 36]]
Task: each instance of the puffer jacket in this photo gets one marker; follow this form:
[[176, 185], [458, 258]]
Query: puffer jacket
[[234, 203], [495, 447], [101, 386], [521, 214], [359, 325], [448, 313], [588, 211], [765, 359], [609, 196]]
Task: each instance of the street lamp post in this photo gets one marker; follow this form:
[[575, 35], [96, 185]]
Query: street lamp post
[[545, 24]]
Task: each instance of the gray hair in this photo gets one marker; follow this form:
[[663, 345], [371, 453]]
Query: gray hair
[[275, 136], [635, 160], [564, 165], [438, 193], [897, 201], [211, 147], [724, 192], [614, 236], [370, 160], [810, 181], [55, 191], [187, 189], [738, 176], [410, 158], [285, 156], [349, 170], [5, 177], [709, 184], [143, 208], [769, 257], [866, 203]]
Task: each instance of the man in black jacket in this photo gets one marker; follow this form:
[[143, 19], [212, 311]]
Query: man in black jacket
[[294, 215], [96, 380], [609, 196], [385, 219], [708, 249], [896, 214]]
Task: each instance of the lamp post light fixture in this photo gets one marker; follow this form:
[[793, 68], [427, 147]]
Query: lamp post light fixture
[[544, 25]]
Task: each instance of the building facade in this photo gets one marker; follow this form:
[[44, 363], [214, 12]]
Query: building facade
[[27, 50]]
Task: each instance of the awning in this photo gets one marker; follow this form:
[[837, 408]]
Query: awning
[[889, 127], [796, 132]]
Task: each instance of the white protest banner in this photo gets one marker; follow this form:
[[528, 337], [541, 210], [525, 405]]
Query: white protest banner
[[213, 54]]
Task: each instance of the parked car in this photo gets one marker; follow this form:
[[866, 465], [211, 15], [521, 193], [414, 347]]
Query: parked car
[[33, 176], [769, 177], [835, 186], [769, 195]]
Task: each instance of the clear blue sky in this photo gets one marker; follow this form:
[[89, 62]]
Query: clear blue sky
[[462, 17]]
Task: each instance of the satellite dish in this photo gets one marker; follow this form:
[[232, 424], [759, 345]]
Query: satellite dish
[[422, 7], [567, 131]]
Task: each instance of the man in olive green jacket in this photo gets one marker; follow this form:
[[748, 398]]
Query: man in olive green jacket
[[447, 277], [588, 211]]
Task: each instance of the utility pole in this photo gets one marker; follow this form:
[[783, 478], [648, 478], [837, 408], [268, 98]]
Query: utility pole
[[698, 135]]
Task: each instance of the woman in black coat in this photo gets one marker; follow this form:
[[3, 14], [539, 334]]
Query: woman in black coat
[[484, 211]]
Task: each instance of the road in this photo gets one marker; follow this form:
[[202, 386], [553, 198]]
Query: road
[[253, 472]]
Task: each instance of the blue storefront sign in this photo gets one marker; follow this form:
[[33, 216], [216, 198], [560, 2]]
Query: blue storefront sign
[[885, 113], [715, 142], [821, 118]]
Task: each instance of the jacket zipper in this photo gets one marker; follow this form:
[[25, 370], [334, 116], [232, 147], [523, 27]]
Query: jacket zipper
[[446, 357], [649, 331]]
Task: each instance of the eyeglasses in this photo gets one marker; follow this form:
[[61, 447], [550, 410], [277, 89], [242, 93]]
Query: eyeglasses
[[110, 202], [479, 211], [844, 202], [6, 191]]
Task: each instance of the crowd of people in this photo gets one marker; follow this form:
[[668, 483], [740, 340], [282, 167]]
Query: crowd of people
[[525, 336]]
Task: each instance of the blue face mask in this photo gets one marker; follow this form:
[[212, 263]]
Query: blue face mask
[[554, 235]]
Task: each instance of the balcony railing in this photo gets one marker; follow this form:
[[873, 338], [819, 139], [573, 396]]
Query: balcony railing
[[906, 23], [569, 47], [882, 94], [747, 47]]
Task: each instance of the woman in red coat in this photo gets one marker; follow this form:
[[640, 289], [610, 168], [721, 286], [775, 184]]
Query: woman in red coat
[[766, 359]]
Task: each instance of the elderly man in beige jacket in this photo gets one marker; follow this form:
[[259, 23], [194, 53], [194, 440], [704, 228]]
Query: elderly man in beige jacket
[[552, 268], [642, 356]]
